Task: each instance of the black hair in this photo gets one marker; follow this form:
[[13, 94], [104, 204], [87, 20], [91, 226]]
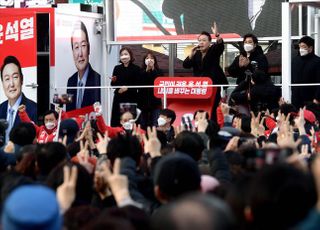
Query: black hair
[[124, 146], [9, 181], [11, 60], [309, 41], [274, 191], [254, 38], [23, 134], [190, 143], [84, 188], [77, 217], [206, 34], [48, 112], [80, 25], [169, 114], [201, 111], [49, 155], [214, 212], [177, 174]]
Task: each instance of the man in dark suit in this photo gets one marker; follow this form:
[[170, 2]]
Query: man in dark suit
[[12, 79], [85, 76]]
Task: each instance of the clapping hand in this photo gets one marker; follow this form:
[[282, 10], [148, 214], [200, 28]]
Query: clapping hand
[[243, 61]]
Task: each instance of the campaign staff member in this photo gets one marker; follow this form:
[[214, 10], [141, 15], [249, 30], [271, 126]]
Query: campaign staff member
[[85, 76], [44, 133], [12, 80]]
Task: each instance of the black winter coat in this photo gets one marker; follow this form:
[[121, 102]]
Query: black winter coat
[[305, 69], [209, 66], [146, 98], [124, 76], [257, 55]]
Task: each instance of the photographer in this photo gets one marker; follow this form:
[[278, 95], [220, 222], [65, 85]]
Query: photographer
[[257, 93]]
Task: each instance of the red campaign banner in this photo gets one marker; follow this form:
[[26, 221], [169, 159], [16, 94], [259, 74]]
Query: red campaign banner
[[183, 87], [18, 36], [81, 112]]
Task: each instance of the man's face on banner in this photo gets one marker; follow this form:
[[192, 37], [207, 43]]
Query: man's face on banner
[[80, 50], [11, 81]]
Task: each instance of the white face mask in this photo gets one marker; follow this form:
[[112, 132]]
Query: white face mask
[[125, 58], [50, 125], [127, 125], [196, 123], [161, 121], [148, 61], [303, 52], [248, 47]]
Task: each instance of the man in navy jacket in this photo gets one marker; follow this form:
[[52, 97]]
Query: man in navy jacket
[[85, 76], [12, 79]]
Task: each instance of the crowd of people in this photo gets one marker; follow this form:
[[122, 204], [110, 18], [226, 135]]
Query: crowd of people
[[249, 164]]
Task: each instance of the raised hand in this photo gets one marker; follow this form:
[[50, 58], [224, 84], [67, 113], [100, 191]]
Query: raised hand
[[66, 192], [22, 108], [232, 144], [118, 183], [215, 31], [83, 157], [152, 144], [243, 61], [202, 124], [257, 127], [300, 122], [103, 143]]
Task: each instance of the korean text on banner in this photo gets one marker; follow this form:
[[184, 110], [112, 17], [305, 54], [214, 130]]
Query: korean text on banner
[[18, 37]]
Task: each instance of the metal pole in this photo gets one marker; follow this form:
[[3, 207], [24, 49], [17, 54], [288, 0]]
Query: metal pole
[[286, 51], [310, 16], [316, 34], [164, 98], [172, 57], [300, 20]]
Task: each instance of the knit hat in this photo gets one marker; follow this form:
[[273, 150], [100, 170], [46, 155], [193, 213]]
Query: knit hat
[[177, 174], [70, 128], [31, 207]]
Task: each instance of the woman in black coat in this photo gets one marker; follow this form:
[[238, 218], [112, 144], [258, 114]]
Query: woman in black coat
[[125, 74], [244, 63], [150, 105]]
